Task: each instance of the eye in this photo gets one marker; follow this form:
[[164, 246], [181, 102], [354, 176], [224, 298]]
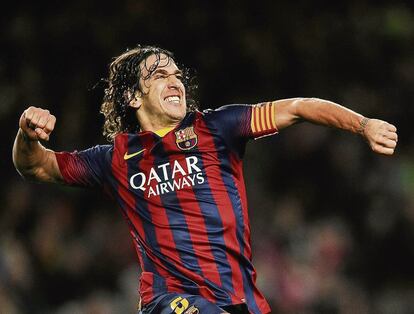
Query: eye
[[159, 76], [180, 77]]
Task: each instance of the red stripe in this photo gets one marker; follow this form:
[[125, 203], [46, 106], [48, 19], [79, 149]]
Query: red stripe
[[147, 280], [221, 199]]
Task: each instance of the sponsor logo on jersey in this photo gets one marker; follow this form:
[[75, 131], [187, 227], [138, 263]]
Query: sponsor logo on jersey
[[168, 177], [128, 156], [186, 138]]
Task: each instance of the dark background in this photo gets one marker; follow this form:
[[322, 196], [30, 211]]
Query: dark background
[[332, 222]]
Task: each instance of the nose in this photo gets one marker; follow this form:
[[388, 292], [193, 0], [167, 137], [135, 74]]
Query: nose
[[174, 82]]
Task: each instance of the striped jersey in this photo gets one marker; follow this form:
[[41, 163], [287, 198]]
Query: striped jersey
[[183, 196]]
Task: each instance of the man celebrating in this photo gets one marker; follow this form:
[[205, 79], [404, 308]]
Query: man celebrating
[[176, 174]]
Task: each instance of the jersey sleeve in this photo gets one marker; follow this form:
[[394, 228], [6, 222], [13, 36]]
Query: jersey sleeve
[[239, 123], [85, 168]]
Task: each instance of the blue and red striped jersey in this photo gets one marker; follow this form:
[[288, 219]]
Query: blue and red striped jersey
[[183, 196]]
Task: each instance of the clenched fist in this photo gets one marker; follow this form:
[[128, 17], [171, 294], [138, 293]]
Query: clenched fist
[[381, 136], [37, 123]]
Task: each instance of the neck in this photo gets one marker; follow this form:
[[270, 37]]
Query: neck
[[154, 125]]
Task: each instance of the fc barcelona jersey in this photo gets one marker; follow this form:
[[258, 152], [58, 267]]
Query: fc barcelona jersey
[[184, 198]]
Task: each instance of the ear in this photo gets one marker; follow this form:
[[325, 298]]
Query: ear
[[134, 100]]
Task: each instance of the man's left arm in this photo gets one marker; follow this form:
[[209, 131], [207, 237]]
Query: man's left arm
[[381, 135]]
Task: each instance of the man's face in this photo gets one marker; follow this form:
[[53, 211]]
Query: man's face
[[163, 99]]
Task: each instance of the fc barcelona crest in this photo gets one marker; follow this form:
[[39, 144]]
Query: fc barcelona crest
[[186, 138]]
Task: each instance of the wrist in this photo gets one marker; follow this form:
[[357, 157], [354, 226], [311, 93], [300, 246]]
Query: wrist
[[362, 125], [26, 138]]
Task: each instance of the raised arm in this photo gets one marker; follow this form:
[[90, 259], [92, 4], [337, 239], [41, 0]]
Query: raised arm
[[381, 135], [32, 160]]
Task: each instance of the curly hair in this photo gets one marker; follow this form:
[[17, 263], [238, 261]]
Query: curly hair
[[123, 83]]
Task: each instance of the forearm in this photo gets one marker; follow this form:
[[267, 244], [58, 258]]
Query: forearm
[[381, 135], [30, 157], [328, 113]]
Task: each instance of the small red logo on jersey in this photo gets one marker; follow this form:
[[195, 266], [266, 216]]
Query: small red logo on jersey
[[186, 138]]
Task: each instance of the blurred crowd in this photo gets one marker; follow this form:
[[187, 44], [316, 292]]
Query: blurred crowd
[[332, 223]]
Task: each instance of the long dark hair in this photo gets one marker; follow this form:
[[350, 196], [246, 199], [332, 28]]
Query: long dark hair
[[123, 83]]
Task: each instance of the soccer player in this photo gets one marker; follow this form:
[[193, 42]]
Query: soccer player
[[176, 174]]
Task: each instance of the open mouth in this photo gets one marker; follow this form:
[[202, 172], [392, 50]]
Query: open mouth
[[172, 99]]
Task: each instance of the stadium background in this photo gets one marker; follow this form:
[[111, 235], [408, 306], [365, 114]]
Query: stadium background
[[332, 222]]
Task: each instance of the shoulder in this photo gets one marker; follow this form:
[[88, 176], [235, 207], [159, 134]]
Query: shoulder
[[226, 109], [100, 150], [98, 155], [226, 113]]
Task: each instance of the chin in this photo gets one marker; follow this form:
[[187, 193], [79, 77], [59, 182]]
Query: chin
[[178, 116], [177, 113]]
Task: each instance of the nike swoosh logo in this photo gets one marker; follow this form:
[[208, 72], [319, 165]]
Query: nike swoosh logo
[[128, 156]]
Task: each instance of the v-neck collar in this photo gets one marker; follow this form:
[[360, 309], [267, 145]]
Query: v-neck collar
[[185, 121]]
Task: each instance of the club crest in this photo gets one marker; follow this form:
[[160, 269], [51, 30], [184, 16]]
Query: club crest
[[186, 138]]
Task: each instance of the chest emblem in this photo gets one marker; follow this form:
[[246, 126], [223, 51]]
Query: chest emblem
[[186, 138]]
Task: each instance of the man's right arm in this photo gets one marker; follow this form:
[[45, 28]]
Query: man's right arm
[[31, 159]]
